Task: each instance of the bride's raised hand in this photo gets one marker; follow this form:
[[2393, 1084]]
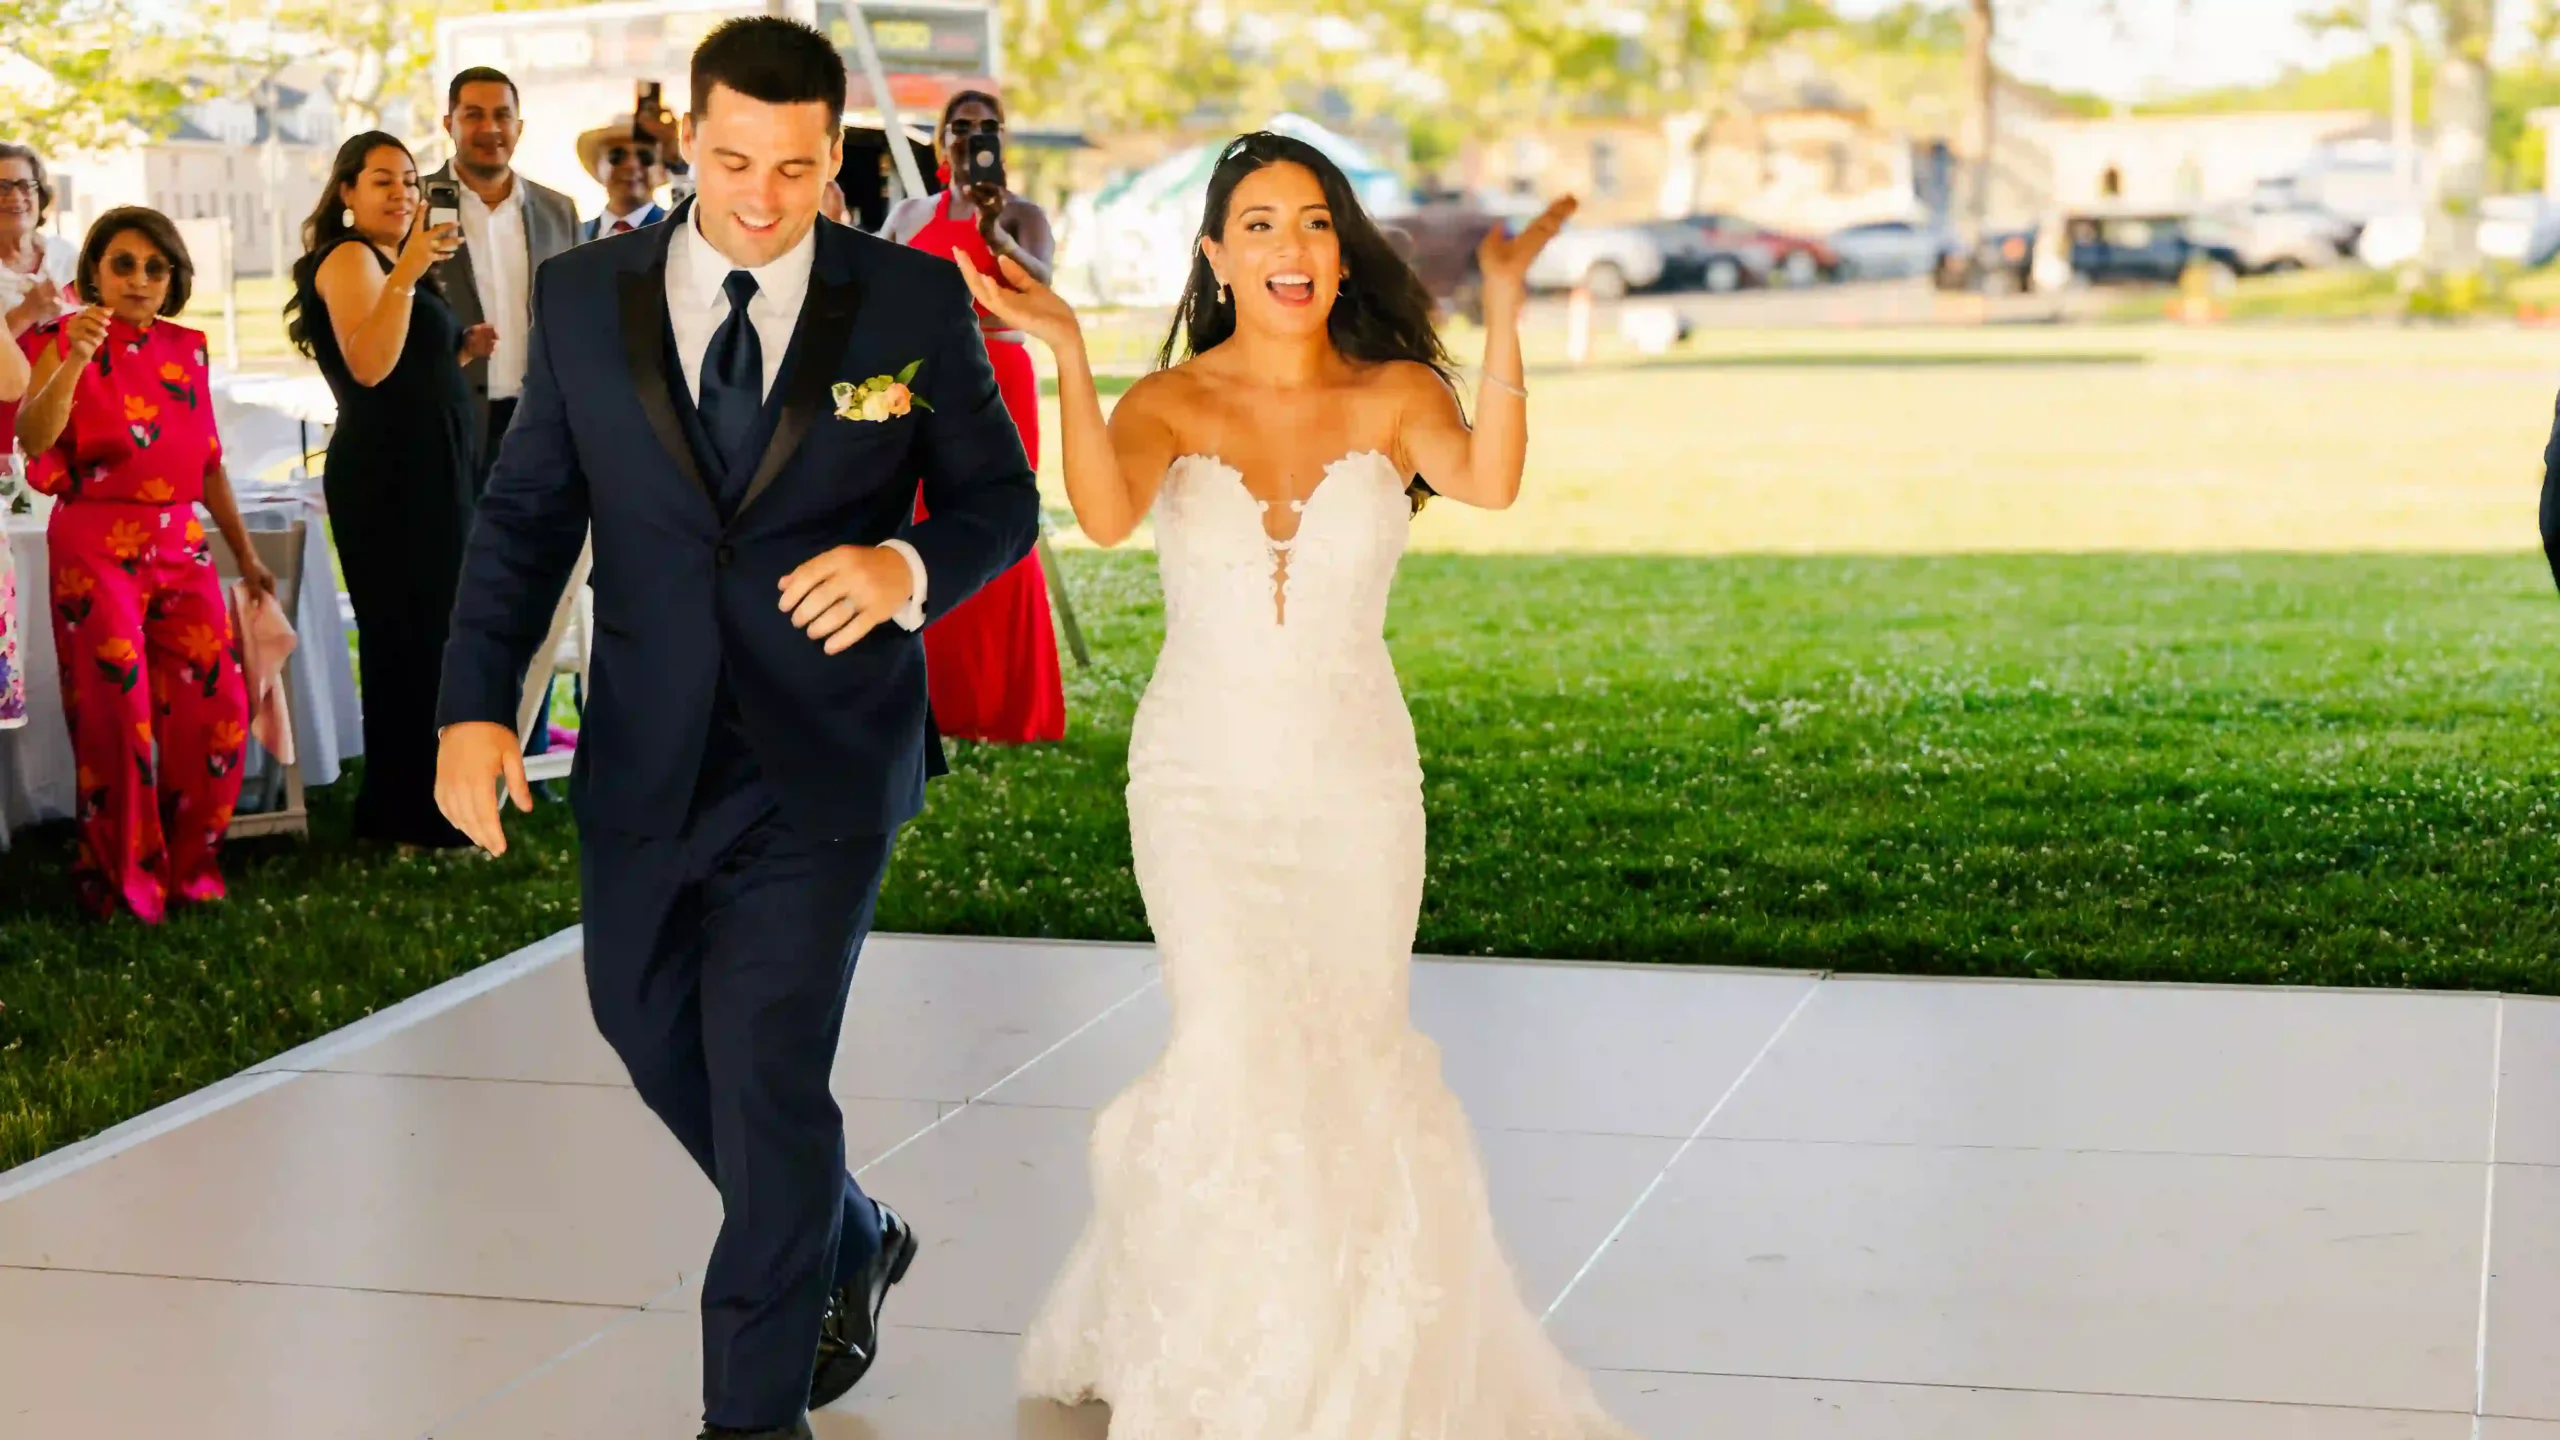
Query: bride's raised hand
[[1503, 260], [1027, 305]]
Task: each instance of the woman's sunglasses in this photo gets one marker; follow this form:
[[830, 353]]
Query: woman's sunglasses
[[124, 266]]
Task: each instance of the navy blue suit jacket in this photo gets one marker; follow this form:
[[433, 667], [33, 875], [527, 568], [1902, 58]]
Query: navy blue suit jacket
[[843, 740], [2551, 496]]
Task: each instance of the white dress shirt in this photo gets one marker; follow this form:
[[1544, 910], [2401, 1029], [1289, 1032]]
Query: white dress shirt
[[697, 305], [502, 271]]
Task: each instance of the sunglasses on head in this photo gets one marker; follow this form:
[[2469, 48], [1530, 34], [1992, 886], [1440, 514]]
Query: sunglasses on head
[[124, 265], [620, 153]]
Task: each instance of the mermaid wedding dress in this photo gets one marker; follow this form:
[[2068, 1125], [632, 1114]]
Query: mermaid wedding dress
[[1290, 1238]]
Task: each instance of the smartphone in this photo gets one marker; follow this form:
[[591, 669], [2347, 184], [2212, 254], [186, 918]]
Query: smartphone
[[983, 162], [444, 203], [648, 108]]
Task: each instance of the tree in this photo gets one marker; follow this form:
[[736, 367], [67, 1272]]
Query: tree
[[379, 51], [2461, 139], [110, 75], [1121, 63], [1678, 63], [1981, 88], [2462, 114]]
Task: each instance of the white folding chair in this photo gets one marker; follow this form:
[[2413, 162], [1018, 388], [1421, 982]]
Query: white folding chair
[[281, 809], [566, 650]]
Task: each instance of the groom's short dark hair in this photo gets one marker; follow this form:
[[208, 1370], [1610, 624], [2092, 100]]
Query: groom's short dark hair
[[772, 59]]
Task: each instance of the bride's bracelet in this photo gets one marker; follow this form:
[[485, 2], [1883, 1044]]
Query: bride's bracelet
[[1497, 382]]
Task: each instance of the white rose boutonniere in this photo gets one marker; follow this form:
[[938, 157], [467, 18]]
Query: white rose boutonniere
[[882, 397]]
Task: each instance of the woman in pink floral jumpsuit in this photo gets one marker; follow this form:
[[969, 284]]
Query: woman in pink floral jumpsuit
[[118, 427]]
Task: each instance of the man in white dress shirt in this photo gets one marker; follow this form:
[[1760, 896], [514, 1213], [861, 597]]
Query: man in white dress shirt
[[742, 403], [510, 225]]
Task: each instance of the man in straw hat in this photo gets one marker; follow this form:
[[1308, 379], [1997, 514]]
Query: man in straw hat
[[630, 170]]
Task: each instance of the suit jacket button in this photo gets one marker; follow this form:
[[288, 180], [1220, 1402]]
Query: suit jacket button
[[722, 556]]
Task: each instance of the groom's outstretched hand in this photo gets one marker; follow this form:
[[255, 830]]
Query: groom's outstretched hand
[[471, 758], [847, 593]]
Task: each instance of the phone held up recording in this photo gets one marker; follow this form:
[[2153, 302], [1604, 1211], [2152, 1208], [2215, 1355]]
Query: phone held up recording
[[444, 203], [648, 108], [982, 162]]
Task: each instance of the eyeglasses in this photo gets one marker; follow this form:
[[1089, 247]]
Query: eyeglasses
[[124, 265], [620, 153], [17, 187], [977, 127]]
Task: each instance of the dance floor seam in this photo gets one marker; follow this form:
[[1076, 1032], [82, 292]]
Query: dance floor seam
[[1916, 1210]]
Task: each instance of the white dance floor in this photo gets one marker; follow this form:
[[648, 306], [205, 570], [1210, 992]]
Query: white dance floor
[[1761, 1205]]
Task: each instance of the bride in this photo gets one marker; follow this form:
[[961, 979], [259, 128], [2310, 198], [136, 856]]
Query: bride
[[1290, 1236]]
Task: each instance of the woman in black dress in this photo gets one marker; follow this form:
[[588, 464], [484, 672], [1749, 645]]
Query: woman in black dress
[[400, 459]]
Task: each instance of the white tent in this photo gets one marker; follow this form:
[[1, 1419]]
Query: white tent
[[1130, 244]]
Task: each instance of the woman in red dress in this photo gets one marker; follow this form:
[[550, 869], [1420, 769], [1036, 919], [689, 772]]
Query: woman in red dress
[[991, 663], [118, 427]]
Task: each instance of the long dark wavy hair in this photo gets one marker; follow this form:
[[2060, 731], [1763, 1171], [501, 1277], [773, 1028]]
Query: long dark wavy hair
[[328, 225], [1382, 311]]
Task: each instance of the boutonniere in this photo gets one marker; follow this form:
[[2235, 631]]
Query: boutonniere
[[882, 397]]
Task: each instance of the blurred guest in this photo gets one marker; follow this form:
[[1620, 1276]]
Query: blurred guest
[[367, 308], [119, 429], [35, 271], [35, 267], [991, 664], [630, 172], [35, 287], [831, 204], [510, 226], [13, 388]]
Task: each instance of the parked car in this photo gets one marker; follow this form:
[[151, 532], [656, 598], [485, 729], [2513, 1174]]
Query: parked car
[[2512, 227], [1890, 249], [1608, 260], [1693, 259], [1438, 237], [1791, 259], [2003, 264], [2143, 247], [2275, 230]]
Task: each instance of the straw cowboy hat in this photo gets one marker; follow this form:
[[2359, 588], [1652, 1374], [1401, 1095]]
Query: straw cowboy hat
[[593, 144]]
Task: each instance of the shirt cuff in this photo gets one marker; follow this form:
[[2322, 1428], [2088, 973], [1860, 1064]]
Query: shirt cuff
[[911, 618]]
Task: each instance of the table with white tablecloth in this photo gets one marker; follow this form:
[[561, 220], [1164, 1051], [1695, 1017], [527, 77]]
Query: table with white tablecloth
[[36, 768]]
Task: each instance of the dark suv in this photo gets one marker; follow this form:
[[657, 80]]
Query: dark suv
[[2123, 248]]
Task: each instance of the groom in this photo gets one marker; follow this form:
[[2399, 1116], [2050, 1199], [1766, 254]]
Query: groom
[[718, 397]]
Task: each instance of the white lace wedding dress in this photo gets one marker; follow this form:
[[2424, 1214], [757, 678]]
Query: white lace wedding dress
[[1290, 1239]]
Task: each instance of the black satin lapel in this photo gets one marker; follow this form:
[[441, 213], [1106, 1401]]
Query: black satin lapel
[[808, 375], [644, 351]]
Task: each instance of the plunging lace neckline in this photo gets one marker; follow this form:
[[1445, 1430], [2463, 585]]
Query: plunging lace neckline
[[1281, 544], [1280, 547]]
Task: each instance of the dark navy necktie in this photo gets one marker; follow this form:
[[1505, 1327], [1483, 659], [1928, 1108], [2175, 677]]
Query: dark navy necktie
[[733, 386]]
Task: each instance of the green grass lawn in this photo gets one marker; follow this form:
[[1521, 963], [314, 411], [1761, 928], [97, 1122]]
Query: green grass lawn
[[2317, 769], [2217, 656]]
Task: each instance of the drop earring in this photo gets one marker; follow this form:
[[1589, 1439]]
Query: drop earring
[[347, 217], [1222, 292]]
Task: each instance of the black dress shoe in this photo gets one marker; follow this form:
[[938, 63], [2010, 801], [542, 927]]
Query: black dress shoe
[[796, 1430], [849, 1336]]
